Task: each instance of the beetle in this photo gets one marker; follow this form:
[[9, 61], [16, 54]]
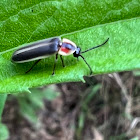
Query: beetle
[[47, 47]]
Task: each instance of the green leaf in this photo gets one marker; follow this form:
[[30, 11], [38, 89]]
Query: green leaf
[[31, 103], [135, 138], [4, 133], [136, 73], [87, 23], [2, 103]]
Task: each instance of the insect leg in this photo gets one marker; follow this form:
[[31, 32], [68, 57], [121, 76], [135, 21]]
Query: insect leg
[[33, 66], [62, 61], [87, 64], [55, 63]]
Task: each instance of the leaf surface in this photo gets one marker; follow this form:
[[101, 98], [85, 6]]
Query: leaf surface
[[87, 23]]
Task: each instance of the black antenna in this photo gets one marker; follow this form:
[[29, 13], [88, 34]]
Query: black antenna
[[87, 64], [95, 47]]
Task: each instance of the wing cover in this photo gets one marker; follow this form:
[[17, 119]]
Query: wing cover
[[36, 50]]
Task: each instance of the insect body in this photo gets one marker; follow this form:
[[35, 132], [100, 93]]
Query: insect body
[[45, 48]]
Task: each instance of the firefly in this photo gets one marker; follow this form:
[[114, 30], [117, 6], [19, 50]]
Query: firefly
[[48, 47]]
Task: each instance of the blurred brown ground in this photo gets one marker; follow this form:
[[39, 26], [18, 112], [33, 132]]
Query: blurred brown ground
[[113, 112]]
